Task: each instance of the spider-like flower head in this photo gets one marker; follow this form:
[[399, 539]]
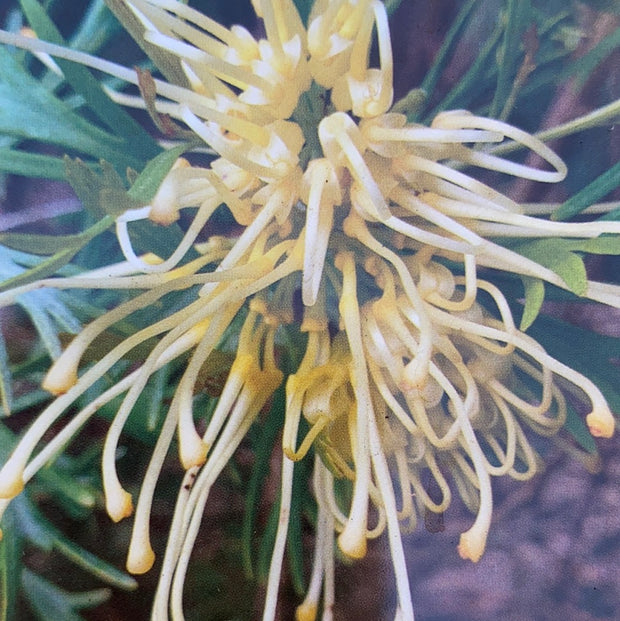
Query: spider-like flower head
[[413, 363]]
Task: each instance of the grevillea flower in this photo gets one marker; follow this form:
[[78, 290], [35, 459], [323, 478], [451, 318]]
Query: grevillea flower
[[413, 364]]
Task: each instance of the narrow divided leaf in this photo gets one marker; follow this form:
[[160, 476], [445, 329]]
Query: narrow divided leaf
[[6, 396], [534, 298], [136, 139], [29, 111], [576, 426], [50, 602], [167, 62], [589, 195], [441, 60], [518, 17], [26, 164], [101, 194], [58, 259], [10, 566]]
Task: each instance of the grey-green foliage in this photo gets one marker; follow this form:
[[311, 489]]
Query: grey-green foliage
[[23, 525], [47, 309]]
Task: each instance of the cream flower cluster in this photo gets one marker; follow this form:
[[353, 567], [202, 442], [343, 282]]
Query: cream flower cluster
[[413, 363]]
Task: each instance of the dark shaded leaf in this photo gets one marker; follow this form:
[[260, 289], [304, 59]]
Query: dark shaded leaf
[[6, 393], [518, 18], [50, 602], [447, 47], [576, 426], [10, 566]]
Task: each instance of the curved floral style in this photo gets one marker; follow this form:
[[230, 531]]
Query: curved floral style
[[413, 363]]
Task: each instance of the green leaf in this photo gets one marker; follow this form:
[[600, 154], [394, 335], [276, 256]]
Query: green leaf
[[33, 399], [391, 6], [96, 28], [267, 542], [577, 427], [137, 424], [147, 237], [412, 104], [148, 181], [154, 395], [50, 602], [101, 194], [45, 327], [583, 67], [59, 259], [17, 162], [10, 565], [47, 309], [609, 6], [560, 255], [449, 43], [263, 450], [136, 139], [33, 527], [611, 216], [41, 245], [572, 270], [305, 6], [583, 350], [30, 111], [77, 498], [604, 244], [6, 396], [553, 254], [600, 187], [294, 541], [518, 18], [534, 298], [471, 83], [40, 532], [105, 193], [93, 564]]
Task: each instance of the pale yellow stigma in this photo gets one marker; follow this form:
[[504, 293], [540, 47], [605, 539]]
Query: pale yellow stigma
[[11, 479], [352, 541], [119, 504], [140, 557], [601, 423], [306, 612], [192, 450], [471, 545], [62, 375]]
